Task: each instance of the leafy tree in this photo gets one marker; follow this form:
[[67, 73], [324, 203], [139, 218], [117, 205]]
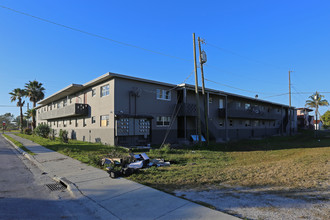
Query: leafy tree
[[326, 119], [316, 100], [17, 95], [35, 92], [8, 118], [17, 120]]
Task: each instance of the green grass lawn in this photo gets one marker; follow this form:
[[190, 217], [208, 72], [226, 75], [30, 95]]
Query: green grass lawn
[[296, 162], [19, 144]]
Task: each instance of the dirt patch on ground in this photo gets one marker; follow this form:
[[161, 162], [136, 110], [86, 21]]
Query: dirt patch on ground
[[263, 203]]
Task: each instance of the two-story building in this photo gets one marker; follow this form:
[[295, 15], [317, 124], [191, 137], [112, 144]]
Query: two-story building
[[123, 110]]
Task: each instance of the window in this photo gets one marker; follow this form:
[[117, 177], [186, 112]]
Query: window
[[163, 121], [104, 120], [247, 106], [163, 94], [210, 100], [105, 90], [64, 103], [256, 123], [93, 120], [221, 103], [58, 105], [93, 92]]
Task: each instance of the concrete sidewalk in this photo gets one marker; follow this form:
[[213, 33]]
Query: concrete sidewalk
[[117, 198]]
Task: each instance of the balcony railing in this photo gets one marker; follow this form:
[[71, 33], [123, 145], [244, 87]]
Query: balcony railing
[[67, 111], [252, 113]]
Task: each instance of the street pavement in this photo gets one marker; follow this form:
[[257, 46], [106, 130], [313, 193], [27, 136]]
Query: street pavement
[[24, 194], [115, 198]]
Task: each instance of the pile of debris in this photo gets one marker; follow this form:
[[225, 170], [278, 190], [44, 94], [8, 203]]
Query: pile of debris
[[118, 167]]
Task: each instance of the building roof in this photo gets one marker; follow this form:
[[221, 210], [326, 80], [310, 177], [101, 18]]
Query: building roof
[[305, 109], [74, 88]]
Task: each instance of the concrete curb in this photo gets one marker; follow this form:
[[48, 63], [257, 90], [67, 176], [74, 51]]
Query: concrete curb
[[72, 188]]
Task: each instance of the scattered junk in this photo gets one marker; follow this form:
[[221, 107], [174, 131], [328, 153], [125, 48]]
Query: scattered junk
[[117, 167]]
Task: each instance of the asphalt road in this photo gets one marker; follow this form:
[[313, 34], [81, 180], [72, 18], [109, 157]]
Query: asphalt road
[[24, 194]]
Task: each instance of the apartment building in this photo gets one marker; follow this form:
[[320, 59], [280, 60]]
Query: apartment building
[[128, 111]]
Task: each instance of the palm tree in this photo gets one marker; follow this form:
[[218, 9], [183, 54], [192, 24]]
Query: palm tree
[[35, 92], [316, 101], [29, 114], [17, 95]]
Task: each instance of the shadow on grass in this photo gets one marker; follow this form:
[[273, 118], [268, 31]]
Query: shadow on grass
[[305, 139]]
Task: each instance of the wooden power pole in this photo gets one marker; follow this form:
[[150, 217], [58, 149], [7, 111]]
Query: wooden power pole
[[197, 95], [290, 115], [201, 61]]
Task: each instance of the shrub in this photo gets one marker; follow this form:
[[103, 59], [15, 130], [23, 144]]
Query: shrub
[[27, 131], [166, 148], [42, 130], [52, 134], [64, 136]]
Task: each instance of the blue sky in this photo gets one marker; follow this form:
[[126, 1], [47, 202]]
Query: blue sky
[[251, 45]]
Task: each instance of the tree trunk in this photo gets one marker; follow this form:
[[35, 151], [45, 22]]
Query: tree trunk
[[34, 117], [21, 117]]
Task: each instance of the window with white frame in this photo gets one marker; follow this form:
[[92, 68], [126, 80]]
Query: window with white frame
[[93, 92], [221, 103], [105, 90], [163, 94], [163, 121], [104, 120]]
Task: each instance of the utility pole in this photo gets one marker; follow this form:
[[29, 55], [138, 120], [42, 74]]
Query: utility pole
[[197, 95], [290, 88], [202, 61], [290, 100]]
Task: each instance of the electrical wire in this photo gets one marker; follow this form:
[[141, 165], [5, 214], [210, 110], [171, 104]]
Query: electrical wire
[[94, 35], [242, 56], [276, 95], [250, 91], [7, 106]]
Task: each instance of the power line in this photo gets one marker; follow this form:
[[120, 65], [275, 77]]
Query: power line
[[242, 56], [94, 35], [276, 95], [250, 91], [8, 106]]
